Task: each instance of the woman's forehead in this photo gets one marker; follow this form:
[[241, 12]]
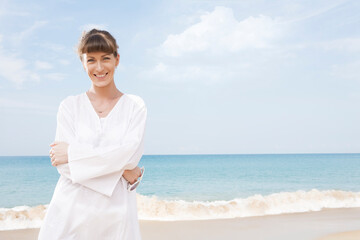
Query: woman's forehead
[[95, 54]]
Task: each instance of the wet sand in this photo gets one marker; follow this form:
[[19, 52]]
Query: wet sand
[[329, 224], [352, 235]]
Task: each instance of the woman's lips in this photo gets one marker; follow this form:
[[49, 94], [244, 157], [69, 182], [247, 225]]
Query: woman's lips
[[100, 76]]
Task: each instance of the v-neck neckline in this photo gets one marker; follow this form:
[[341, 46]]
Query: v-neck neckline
[[110, 112]]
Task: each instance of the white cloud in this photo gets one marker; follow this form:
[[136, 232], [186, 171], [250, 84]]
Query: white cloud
[[27, 32], [7, 10], [218, 31], [219, 48], [54, 47], [348, 71], [15, 69], [206, 74], [14, 13], [43, 65], [64, 62], [88, 27], [55, 76], [345, 44], [16, 104], [300, 12], [160, 68]]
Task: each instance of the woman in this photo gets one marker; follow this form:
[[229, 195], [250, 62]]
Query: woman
[[98, 145]]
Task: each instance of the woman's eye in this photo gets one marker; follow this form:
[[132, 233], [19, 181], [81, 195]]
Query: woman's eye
[[106, 58], [90, 60]]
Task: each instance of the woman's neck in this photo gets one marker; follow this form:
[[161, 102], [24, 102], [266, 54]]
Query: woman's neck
[[108, 92]]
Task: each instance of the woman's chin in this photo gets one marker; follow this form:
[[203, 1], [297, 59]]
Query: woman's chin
[[101, 84]]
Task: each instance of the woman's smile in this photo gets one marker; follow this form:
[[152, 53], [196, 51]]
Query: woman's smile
[[101, 76]]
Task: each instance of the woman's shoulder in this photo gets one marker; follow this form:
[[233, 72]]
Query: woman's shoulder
[[135, 99], [72, 100]]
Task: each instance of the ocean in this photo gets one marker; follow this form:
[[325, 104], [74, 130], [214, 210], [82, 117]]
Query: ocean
[[188, 187]]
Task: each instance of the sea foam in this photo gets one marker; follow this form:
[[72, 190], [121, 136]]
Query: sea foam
[[153, 208]]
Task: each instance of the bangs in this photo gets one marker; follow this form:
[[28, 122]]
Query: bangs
[[98, 43]]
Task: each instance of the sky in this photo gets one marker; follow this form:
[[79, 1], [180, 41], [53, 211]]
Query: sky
[[218, 77]]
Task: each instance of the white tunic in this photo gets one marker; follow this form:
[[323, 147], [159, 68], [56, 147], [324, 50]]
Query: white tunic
[[91, 200]]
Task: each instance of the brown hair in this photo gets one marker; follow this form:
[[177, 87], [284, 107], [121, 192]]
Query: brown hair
[[97, 41]]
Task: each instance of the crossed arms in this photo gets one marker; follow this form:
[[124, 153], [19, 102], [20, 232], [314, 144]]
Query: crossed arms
[[100, 168]]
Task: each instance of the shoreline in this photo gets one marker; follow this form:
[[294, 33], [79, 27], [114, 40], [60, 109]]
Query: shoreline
[[327, 224]]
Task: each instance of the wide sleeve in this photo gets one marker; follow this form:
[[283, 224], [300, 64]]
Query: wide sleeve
[[64, 133], [88, 165]]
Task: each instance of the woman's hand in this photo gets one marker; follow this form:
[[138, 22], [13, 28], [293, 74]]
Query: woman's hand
[[132, 175], [59, 153]]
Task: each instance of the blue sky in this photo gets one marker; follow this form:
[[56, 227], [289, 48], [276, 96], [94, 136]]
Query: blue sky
[[217, 76]]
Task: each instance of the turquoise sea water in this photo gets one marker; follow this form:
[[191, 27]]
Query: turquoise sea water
[[31, 180]]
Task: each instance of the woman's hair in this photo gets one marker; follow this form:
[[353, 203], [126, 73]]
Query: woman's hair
[[97, 41]]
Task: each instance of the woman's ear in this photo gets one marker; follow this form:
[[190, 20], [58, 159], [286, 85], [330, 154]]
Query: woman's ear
[[117, 60], [83, 61], [84, 66]]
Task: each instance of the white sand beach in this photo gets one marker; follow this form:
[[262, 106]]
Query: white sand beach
[[352, 235], [328, 224]]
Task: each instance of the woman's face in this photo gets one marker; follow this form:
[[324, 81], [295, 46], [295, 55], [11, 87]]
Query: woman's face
[[100, 67]]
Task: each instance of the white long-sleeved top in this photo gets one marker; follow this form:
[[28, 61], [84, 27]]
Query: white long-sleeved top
[[90, 200]]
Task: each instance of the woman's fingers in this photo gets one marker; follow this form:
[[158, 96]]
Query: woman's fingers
[[138, 171], [52, 155], [132, 175], [53, 160], [53, 144], [59, 149]]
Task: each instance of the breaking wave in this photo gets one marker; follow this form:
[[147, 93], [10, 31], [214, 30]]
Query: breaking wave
[[153, 208]]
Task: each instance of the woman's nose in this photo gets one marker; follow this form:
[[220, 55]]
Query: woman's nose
[[99, 66]]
